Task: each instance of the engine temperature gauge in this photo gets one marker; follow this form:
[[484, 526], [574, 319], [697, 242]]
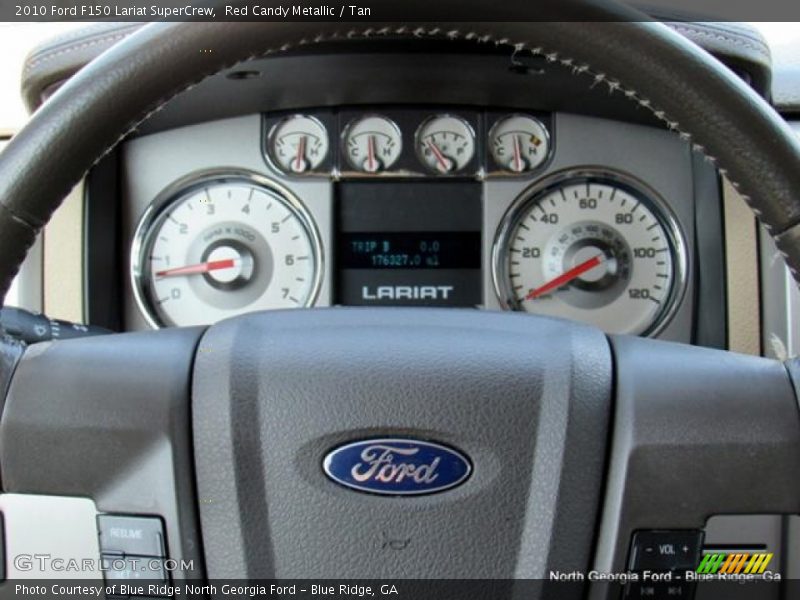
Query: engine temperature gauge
[[445, 144], [373, 143], [298, 144], [518, 143]]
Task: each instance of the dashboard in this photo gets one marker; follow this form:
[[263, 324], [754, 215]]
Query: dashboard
[[550, 213], [359, 213]]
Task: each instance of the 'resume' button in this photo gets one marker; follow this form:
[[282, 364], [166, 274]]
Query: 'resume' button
[[140, 536]]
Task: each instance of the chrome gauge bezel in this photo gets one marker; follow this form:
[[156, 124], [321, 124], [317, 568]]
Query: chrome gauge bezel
[[655, 203], [157, 210]]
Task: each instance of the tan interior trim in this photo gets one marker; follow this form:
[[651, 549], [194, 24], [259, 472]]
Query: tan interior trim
[[742, 268], [63, 260]]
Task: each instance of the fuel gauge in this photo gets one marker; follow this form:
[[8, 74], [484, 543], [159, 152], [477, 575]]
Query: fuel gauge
[[445, 143]]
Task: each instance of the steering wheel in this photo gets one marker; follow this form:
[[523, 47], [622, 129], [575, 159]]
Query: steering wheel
[[569, 440]]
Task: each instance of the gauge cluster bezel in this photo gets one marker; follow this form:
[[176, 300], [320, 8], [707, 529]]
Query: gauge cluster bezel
[[409, 123], [578, 142]]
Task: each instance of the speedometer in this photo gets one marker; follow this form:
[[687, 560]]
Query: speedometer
[[221, 246], [591, 247]]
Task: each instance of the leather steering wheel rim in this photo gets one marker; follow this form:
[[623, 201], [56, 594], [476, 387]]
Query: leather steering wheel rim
[[687, 89]]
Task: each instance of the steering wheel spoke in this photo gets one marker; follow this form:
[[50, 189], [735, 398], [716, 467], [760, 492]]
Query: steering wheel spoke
[[106, 418], [697, 432]]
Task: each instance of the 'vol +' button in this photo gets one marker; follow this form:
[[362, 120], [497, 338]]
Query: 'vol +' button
[[666, 550]]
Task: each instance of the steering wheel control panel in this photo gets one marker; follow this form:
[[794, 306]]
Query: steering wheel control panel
[[664, 551], [438, 206], [730, 550]]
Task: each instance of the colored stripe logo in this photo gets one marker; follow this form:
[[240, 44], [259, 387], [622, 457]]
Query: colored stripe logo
[[734, 563]]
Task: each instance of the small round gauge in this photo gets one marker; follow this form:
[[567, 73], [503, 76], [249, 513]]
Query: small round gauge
[[594, 248], [223, 246], [373, 143], [445, 144], [298, 144], [519, 143]]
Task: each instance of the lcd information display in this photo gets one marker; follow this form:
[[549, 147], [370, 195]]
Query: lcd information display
[[411, 250], [409, 244]]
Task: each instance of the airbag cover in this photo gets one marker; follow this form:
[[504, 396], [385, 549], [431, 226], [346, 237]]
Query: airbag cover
[[524, 399]]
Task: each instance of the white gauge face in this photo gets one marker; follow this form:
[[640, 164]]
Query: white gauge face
[[591, 249], [373, 144], [445, 144], [298, 144], [224, 248], [519, 143]]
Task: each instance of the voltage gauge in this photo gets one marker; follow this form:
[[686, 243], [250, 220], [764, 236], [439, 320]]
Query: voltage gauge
[[592, 247]]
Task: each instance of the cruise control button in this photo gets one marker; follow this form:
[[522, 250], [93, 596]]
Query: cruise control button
[[141, 536], [133, 568]]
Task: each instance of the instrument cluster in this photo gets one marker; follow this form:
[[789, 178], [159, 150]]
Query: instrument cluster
[[407, 143], [416, 207]]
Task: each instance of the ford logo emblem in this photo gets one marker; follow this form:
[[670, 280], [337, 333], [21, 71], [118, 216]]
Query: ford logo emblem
[[397, 466]]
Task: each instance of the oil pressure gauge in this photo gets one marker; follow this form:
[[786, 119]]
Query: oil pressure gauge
[[298, 144], [592, 247], [445, 143]]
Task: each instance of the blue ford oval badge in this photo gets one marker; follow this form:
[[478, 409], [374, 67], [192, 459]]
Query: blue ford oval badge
[[397, 466]]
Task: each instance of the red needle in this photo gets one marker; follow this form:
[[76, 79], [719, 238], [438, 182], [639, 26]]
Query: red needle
[[565, 277], [440, 158], [517, 157], [214, 265], [371, 152], [301, 154]]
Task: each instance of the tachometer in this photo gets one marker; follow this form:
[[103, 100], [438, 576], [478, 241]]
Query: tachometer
[[222, 246], [591, 247]]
